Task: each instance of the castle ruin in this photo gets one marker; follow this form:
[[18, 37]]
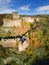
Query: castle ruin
[[16, 21]]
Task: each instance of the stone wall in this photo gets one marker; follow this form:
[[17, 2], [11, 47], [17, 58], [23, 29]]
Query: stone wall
[[30, 19], [10, 43], [11, 23]]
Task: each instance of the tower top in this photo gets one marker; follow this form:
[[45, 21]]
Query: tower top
[[15, 15], [15, 12]]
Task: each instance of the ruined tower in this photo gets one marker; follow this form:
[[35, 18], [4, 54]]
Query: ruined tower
[[15, 15]]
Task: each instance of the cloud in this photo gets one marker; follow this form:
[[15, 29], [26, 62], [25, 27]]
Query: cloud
[[35, 11], [25, 7], [7, 11], [43, 8], [4, 7], [8, 0], [7, 7], [4, 1]]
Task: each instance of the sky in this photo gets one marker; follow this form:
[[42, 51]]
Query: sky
[[26, 7]]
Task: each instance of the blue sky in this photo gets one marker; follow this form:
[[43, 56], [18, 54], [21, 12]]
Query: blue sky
[[28, 7]]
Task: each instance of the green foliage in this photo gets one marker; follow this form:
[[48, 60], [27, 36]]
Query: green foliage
[[1, 22], [33, 55], [8, 16]]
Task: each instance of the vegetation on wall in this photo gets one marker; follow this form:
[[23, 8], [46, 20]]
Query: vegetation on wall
[[38, 51]]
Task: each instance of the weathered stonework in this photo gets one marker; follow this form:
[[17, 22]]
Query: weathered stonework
[[12, 22], [16, 21]]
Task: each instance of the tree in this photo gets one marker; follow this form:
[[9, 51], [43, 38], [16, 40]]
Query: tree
[[1, 22]]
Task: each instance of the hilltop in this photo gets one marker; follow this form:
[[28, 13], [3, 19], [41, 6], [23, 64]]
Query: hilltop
[[38, 50]]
